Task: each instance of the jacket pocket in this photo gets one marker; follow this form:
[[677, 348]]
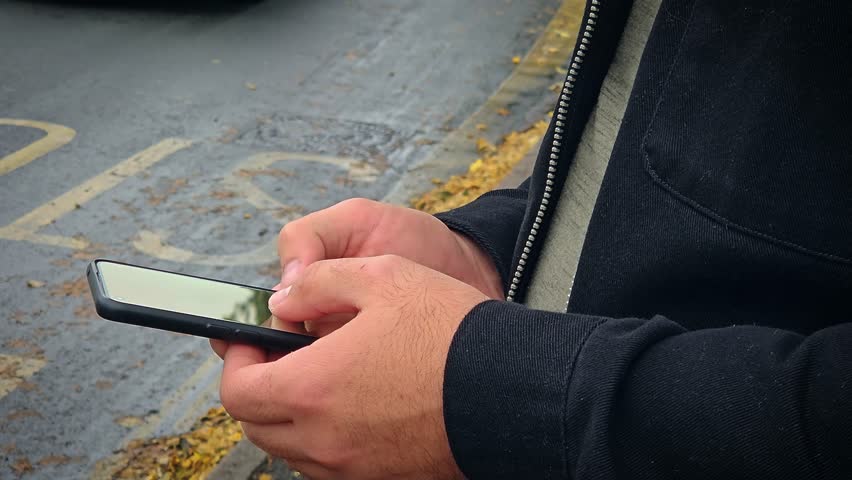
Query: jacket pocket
[[754, 124]]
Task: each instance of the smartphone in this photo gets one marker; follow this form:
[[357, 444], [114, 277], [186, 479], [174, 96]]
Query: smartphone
[[187, 304]]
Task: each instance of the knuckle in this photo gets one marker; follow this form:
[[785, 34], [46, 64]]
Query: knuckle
[[386, 264], [290, 229], [357, 204]]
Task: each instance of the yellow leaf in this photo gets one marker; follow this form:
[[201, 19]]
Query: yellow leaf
[[516, 59], [129, 421], [484, 145]]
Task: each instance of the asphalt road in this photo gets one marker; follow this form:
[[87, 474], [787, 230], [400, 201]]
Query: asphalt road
[[183, 137]]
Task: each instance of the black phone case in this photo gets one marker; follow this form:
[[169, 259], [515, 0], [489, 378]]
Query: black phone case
[[180, 322]]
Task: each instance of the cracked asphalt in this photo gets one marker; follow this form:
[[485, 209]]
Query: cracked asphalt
[[182, 136]]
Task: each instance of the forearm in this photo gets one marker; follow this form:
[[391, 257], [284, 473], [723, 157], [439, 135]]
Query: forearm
[[545, 395]]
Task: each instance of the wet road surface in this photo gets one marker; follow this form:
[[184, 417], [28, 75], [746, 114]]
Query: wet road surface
[[183, 137]]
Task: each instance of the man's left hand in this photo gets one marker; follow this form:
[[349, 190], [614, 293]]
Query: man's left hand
[[364, 402]]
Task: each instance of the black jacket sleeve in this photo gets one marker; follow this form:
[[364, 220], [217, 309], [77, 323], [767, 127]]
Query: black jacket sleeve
[[532, 394], [493, 222]]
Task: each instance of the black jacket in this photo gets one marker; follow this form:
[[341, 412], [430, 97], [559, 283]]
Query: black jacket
[[709, 332]]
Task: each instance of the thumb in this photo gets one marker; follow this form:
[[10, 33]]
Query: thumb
[[334, 232]]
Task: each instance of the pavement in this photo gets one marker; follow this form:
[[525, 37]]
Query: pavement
[[182, 136]]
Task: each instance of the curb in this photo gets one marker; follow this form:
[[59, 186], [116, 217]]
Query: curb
[[240, 462]]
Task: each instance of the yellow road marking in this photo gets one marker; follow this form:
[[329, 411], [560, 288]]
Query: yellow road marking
[[154, 243], [15, 370], [57, 136], [26, 227]]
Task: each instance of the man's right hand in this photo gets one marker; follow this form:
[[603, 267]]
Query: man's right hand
[[366, 228]]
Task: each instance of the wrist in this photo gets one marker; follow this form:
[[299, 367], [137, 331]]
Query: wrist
[[486, 277]]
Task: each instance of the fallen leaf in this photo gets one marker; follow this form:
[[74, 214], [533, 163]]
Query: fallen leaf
[[23, 413], [14, 371], [516, 59], [86, 310], [190, 455], [229, 135], [503, 112], [247, 216], [25, 386], [129, 421], [103, 385], [35, 283], [42, 332], [61, 262], [481, 127], [72, 288], [483, 146], [215, 61], [483, 174], [251, 86], [8, 448], [58, 460], [20, 317], [93, 250], [264, 476], [223, 194], [27, 348], [22, 466]]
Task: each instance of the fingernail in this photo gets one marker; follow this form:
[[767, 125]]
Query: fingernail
[[291, 271], [277, 286], [278, 297]]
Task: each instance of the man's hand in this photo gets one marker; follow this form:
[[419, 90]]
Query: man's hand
[[365, 228], [364, 402]]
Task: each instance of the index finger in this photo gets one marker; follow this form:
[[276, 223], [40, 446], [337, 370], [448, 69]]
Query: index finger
[[345, 285], [334, 232]]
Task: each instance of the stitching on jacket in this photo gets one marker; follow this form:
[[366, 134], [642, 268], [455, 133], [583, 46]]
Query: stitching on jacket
[[706, 211], [570, 376]]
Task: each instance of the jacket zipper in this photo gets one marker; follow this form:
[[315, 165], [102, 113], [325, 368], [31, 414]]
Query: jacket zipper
[[556, 145]]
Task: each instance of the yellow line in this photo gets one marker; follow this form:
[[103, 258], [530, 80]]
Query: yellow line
[[57, 136], [18, 370], [25, 227], [155, 244]]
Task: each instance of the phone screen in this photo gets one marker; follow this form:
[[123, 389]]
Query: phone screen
[[184, 294]]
